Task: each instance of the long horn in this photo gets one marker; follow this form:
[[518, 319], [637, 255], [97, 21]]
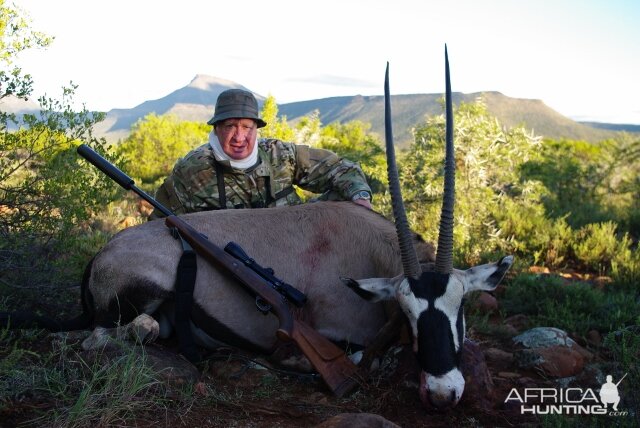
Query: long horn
[[410, 262], [444, 255]]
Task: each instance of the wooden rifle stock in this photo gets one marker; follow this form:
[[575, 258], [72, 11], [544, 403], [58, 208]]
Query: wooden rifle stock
[[330, 362]]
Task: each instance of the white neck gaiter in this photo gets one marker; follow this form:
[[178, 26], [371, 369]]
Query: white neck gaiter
[[221, 156]]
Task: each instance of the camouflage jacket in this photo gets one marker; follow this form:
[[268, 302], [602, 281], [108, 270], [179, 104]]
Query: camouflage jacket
[[193, 184]]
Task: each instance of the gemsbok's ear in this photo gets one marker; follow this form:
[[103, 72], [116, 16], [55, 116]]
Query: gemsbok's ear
[[375, 289]]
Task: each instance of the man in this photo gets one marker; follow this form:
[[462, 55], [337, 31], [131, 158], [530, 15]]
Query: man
[[609, 393], [236, 170]]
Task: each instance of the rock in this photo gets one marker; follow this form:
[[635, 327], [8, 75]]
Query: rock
[[594, 338], [488, 303], [526, 382], [498, 356], [592, 376], [560, 361], [144, 208], [200, 389], [172, 368], [509, 375], [479, 387], [508, 330], [519, 322], [357, 420], [485, 303], [540, 270], [127, 222], [552, 351], [542, 337]]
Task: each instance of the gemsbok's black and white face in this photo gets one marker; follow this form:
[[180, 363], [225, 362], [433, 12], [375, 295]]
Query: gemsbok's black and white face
[[434, 306], [432, 299]]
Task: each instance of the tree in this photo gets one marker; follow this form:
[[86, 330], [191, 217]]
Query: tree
[[307, 129], [589, 182], [487, 178], [46, 191], [15, 37], [277, 127], [157, 142], [353, 141]]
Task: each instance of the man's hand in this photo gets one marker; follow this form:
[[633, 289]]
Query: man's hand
[[364, 202], [363, 198]]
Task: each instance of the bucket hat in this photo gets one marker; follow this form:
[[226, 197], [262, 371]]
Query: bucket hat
[[236, 103]]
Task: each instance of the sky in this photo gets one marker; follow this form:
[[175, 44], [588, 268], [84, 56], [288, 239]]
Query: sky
[[580, 57]]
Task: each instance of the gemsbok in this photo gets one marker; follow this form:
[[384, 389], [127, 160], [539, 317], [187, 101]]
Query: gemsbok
[[317, 247]]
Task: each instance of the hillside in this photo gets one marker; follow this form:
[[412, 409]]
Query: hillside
[[613, 126], [196, 101], [15, 105], [410, 110], [543, 120]]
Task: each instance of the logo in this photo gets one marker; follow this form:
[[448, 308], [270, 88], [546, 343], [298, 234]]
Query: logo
[[569, 401]]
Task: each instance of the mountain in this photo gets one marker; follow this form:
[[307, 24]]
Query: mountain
[[411, 110], [15, 105], [613, 126], [196, 101]]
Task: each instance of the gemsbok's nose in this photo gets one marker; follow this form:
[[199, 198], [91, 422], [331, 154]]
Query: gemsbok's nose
[[443, 401]]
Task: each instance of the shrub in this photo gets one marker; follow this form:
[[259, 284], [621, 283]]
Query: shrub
[[596, 245], [625, 269], [487, 159], [156, 143], [576, 307]]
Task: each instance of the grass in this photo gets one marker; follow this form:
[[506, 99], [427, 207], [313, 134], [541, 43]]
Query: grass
[[623, 347], [79, 389], [109, 393], [576, 307]]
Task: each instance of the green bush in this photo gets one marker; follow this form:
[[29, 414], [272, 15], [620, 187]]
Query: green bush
[[487, 159], [576, 307], [554, 203], [625, 269], [46, 190], [530, 233], [596, 245], [156, 143]]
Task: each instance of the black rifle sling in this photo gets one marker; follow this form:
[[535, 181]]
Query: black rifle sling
[[185, 282], [222, 196], [267, 187]]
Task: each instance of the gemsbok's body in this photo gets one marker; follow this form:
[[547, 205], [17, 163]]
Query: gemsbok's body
[[309, 246]]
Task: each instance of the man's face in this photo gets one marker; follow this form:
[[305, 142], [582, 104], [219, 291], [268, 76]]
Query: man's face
[[237, 137]]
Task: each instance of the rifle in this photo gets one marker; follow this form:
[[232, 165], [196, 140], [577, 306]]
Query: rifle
[[625, 375], [330, 362]]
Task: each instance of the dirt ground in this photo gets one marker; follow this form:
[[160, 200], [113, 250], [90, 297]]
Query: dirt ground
[[257, 399], [233, 389]]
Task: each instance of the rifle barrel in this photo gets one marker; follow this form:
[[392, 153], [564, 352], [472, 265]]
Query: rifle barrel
[[118, 176], [625, 375]]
